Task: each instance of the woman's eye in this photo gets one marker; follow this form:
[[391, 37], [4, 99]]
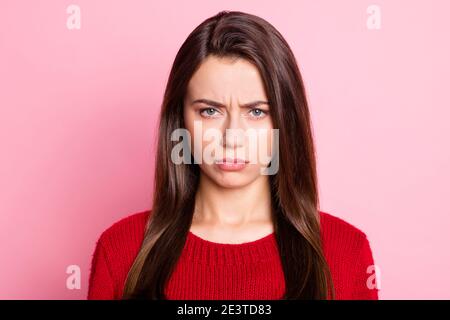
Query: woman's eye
[[258, 113], [212, 112], [208, 112]]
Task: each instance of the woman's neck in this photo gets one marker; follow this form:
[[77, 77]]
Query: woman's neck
[[226, 212]]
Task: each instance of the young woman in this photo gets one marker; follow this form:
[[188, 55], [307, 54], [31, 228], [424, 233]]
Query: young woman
[[227, 229]]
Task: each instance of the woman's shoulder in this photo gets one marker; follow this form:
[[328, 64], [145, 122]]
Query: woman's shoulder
[[115, 251], [349, 255], [333, 227], [121, 241], [341, 238], [343, 242], [126, 230]]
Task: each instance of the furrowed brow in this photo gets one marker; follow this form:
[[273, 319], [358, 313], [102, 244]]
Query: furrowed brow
[[209, 102], [221, 105]]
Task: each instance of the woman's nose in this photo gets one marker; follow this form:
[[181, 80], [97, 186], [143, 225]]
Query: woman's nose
[[234, 134]]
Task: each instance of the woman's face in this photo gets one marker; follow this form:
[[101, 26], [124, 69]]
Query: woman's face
[[226, 112]]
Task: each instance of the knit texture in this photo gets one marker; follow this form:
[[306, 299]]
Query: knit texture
[[251, 270]]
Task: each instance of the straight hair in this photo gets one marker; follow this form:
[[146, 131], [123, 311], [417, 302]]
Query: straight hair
[[294, 191]]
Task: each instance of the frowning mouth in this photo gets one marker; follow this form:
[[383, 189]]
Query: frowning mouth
[[231, 164], [231, 161]]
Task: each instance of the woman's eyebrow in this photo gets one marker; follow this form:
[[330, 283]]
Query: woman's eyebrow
[[221, 105]]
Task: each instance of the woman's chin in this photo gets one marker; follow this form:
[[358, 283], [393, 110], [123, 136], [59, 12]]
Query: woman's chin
[[232, 180]]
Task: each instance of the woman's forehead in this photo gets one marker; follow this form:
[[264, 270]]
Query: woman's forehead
[[220, 79]]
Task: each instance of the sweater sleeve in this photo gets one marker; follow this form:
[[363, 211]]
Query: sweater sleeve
[[365, 281], [101, 286]]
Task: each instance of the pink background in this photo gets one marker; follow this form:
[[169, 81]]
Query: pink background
[[78, 110]]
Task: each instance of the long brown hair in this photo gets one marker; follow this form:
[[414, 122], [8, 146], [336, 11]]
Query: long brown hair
[[294, 191]]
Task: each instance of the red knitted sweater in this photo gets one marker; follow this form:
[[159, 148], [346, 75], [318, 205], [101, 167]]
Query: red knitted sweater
[[252, 270]]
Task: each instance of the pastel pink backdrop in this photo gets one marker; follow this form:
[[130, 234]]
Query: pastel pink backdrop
[[79, 108]]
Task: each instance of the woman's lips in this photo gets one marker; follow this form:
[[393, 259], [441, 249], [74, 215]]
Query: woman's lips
[[229, 164]]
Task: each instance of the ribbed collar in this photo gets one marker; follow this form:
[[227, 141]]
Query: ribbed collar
[[214, 253]]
